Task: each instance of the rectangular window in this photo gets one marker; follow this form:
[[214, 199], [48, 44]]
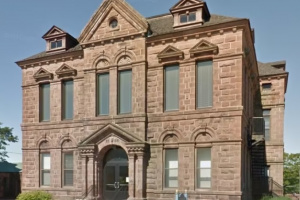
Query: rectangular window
[[124, 91], [45, 169], [204, 84], [184, 18], [192, 17], [68, 169], [171, 168], [56, 44], [67, 100], [171, 87], [266, 86], [103, 94], [266, 115], [45, 102], [204, 167]]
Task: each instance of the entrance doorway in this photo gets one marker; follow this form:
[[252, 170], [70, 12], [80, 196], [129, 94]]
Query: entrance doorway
[[115, 174]]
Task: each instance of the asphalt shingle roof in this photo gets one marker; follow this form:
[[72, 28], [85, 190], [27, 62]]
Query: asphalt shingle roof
[[45, 54], [159, 25], [163, 24], [267, 69]]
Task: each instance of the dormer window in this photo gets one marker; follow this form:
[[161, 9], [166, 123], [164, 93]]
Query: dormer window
[[189, 13], [56, 44], [58, 40], [189, 17]]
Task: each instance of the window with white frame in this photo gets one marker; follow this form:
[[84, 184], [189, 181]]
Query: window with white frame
[[171, 168], [45, 169], [204, 168]]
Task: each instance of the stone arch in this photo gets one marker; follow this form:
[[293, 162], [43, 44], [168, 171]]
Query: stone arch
[[173, 135], [44, 142], [103, 151], [101, 61], [124, 55], [66, 137], [203, 134]]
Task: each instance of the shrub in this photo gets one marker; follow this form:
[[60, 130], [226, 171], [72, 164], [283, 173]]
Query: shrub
[[35, 195], [274, 198]]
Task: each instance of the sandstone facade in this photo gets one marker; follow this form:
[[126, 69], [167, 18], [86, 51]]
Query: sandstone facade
[[146, 47]]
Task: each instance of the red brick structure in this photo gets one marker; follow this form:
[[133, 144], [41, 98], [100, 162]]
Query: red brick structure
[[138, 108]]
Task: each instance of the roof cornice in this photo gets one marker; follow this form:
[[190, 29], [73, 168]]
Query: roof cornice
[[59, 57]]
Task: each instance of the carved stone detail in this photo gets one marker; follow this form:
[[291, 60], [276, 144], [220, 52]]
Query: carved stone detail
[[170, 52], [204, 48], [42, 75], [65, 70]]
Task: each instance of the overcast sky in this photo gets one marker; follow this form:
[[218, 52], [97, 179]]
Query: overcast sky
[[23, 23]]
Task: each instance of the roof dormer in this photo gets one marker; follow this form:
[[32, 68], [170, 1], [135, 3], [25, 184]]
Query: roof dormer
[[58, 40], [189, 13]]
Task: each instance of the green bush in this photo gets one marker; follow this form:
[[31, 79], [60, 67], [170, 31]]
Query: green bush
[[274, 198], [35, 195]]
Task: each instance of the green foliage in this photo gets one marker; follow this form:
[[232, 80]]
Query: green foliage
[[291, 173], [35, 195], [274, 198], [6, 136]]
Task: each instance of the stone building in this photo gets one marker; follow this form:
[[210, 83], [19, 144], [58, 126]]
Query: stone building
[[139, 108]]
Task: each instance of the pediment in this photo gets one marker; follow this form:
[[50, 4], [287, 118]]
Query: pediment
[[66, 70], [170, 52], [204, 47], [98, 27], [186, 3], [54, 31], [108, 133], [42, 74]]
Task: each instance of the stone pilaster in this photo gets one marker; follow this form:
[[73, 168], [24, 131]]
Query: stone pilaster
[[137, 170]]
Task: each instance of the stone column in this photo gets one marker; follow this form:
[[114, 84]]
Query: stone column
[[131, 173], [87, 152], [137, 170], [140, 175]]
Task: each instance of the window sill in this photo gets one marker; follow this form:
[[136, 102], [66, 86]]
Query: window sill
[[204, 108], [169, 111], [45, 121]]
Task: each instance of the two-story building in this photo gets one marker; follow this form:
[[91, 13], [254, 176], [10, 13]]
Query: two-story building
[[139, 108]]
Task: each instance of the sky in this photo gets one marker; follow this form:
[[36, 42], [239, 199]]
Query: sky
[[23, 23]]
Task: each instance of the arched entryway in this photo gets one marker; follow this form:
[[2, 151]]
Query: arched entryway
[[115, 174]]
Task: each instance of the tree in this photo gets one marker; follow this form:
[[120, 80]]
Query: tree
[[291, 173], [6, 136]]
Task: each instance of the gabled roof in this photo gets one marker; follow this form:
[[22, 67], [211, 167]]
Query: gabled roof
[[183, 3], [159, 25], [272, 68], [108, 131], [54, 30], [123, 8]]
